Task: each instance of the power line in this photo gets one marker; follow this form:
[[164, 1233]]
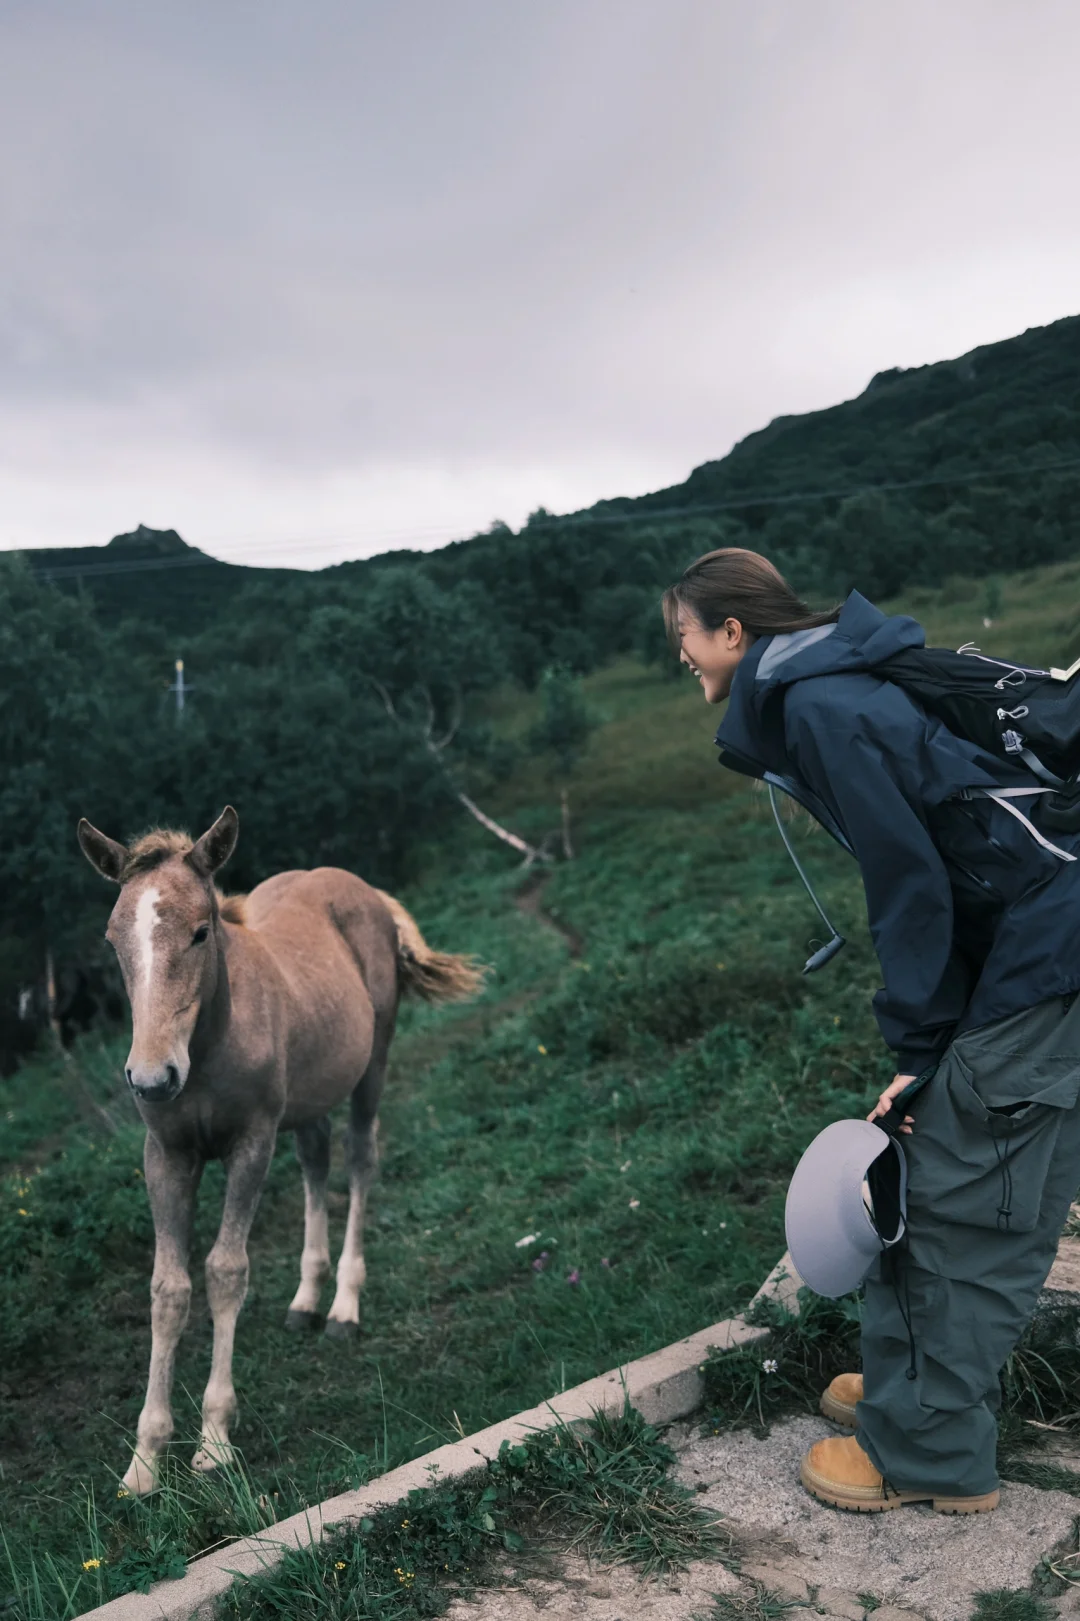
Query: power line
[[142, 565], [763, 500], [131, 565], [646, 515]]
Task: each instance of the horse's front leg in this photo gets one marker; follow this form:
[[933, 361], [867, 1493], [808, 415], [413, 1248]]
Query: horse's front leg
[[172, 1180], [226, 1286]]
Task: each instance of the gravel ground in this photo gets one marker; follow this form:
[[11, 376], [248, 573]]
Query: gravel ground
[[906, 1565]]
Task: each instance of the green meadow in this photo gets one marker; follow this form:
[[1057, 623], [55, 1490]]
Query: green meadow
[[588, 1162]]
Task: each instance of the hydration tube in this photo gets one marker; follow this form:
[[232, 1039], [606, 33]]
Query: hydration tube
[[828, 951]]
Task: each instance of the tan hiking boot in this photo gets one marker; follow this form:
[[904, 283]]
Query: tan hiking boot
[[838, 1402], [837, 1471]]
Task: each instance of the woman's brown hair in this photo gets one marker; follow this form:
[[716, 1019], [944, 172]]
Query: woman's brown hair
[[734, 583]]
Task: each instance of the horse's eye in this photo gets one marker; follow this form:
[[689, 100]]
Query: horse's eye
[[200, 935]]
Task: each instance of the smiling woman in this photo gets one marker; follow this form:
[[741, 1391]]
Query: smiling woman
[[972, 921], [722, 604]]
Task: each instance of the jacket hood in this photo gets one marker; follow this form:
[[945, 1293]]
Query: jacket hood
[[862, 637]]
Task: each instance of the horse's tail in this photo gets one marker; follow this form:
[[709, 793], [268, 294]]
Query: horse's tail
[[436, 976]]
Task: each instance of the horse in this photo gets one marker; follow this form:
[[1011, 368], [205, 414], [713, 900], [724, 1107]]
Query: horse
[[252, 1015]]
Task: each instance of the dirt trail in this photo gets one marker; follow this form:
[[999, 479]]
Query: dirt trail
[[529, 899]]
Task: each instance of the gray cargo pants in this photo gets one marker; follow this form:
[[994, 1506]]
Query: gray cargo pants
[[993, 1164]]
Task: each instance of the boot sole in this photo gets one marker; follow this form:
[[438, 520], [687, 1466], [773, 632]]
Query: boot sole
[[827, 1491], [838, 1412]]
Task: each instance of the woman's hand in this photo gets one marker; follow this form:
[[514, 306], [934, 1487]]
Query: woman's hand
[[884, 1102]]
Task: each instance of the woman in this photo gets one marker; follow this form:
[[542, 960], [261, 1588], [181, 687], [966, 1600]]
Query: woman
[[973, 915]]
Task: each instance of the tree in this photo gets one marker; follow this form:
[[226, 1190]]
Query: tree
[[562, 732]]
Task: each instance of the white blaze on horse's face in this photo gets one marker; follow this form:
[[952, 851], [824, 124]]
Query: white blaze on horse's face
[[146, 916], [162, 930]]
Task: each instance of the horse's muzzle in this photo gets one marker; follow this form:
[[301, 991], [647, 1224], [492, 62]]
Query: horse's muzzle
[[155, 1085]]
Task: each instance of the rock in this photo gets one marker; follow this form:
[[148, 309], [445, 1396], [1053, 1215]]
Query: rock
[[784, 1582], [835, 1601]]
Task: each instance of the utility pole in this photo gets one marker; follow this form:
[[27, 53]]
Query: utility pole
[[180, 688]]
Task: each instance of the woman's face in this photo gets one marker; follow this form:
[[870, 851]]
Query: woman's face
[[712, 655]]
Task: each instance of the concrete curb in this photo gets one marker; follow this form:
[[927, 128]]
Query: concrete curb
[[663, 1386]]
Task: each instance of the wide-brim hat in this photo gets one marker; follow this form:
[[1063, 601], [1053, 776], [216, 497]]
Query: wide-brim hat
[[846, 1204]]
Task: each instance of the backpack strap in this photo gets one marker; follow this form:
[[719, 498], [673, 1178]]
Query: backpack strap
[[1005, 796], [1035, 765]]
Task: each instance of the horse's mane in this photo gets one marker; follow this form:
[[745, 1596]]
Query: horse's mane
[[157, 846], [152, 849]]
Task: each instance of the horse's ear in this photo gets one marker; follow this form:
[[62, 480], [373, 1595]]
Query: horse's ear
[[216, 845], [103, 853]]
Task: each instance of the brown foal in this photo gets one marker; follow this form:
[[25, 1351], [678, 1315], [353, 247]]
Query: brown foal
[[251, 1015]]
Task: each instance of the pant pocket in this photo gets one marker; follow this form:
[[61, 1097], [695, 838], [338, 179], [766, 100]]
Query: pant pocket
[[987, 1135]]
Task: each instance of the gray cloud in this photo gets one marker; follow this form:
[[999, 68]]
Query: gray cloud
[[360, 272]]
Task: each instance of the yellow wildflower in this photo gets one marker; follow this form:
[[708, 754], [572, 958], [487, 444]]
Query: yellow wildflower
[[541, 1049], [91, 1564], [340, 1565], [23, 1212]]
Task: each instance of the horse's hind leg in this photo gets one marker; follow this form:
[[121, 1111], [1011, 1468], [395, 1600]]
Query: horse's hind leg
[[362, 1158], [313, 1152]]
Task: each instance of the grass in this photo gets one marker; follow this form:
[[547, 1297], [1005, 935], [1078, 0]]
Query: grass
[[1059, 1570], [126, 1544], [786, 1373], [602, 1489], [753, 1602], [637, 1109], [1008, 1604]]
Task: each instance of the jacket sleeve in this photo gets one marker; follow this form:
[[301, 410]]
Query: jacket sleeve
[[864, 747]]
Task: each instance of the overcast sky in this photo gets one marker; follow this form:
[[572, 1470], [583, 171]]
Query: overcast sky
[[310, 280]]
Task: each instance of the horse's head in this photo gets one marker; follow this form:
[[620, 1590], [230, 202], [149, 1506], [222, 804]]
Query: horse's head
[[164, 931]]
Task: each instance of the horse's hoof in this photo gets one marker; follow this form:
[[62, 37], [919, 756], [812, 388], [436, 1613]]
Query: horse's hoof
[[302, 1322], [213, 1455], [338, 1330], [140, 1480]]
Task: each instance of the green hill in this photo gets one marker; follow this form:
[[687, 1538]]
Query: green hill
[[150, 574], [988, 412], [967, 465]]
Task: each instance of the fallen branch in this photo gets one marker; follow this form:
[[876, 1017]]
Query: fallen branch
[[435, 749]]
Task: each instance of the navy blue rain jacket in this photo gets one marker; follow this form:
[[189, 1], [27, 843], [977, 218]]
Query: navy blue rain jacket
[[971, 918]]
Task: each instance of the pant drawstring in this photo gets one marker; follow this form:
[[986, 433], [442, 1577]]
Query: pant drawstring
[[1004, 1214]]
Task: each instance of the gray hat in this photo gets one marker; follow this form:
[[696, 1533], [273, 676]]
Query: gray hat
[[846, 1204]]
